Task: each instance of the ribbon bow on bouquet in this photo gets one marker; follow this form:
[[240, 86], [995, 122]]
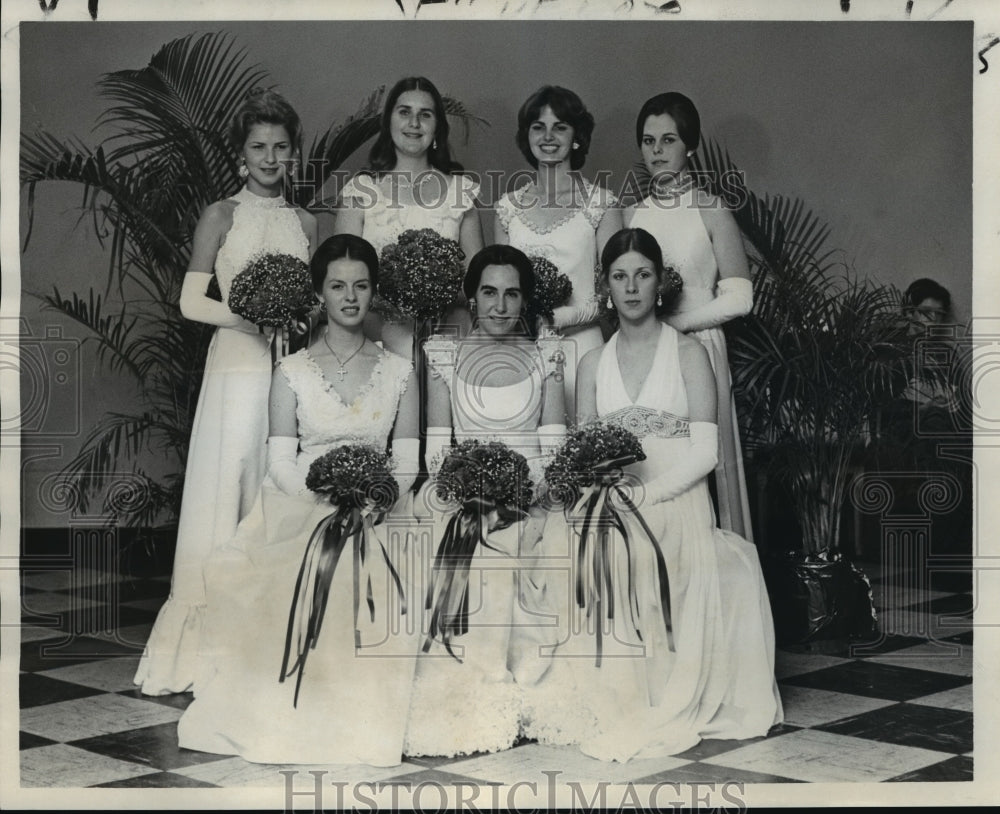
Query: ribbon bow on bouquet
[[491, 484], [588, 473], [361, 488]]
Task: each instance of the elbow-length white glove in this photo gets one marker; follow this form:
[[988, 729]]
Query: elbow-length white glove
[[550, 438], [700, 459], [734, 299], [566, 316], [406, 453], [282, 464], [438, 441]]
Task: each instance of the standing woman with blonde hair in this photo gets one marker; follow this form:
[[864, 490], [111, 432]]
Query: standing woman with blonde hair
[[225, 464], [701, 241]]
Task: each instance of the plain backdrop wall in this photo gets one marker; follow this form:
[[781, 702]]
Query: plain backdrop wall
[[869, 123]]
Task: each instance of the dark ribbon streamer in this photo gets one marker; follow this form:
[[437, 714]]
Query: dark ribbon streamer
[[448, 592], [596, 596], [312, 586]]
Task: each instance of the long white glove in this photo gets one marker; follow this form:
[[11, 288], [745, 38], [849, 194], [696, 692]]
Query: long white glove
[[197, 306], [550, 438], [438, 441], [700, 459], [282, 454], [734, 299], [406, 452], [566, 316]]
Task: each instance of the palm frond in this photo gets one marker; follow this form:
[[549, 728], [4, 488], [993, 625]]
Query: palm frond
[[329, 151], [174, 114], [454, 108], [113, 332]]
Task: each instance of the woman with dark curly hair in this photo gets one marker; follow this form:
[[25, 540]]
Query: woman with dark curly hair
[[559, 215]]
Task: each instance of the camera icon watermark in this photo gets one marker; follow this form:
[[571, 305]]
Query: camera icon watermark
[[50, 370]]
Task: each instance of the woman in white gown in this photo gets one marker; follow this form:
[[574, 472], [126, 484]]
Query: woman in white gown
[[225, 461], [559, 215], [701, 241], [352, 703], [651, 696], [495, 384], [411, 183]]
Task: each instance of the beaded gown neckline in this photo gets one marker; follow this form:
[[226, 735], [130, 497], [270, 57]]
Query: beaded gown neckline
[[245, 196]]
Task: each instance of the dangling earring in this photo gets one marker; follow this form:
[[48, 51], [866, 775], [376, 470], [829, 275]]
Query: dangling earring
[[611, 305], [292, 169], [576, 145], [243, 172], [472, 307], [434, 144], [659, 298]]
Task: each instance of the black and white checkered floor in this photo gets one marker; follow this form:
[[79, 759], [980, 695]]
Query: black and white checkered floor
[[901, 710]]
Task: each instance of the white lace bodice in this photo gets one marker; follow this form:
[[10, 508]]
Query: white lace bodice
[[677, 225], [325, 421], [260, 225], [570, 243], [386, 220], [659, 416]]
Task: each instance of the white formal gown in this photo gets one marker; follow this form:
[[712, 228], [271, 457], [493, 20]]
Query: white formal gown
[[645, 700], [225, 463]]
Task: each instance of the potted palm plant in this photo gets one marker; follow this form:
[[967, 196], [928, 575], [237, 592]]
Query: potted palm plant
[[814, 364], [144, 187]]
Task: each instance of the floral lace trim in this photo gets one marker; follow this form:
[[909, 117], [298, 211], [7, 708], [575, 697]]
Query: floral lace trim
[[514, 205], [441, 354], [313, 366], [645, 421]]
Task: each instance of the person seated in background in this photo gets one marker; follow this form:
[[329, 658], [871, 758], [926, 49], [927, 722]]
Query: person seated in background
[[933, 389]]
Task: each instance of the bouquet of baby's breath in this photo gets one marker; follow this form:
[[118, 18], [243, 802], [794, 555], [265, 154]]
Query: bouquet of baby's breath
[[491, 486], [273, 290], [419, 275], [589, 455], [357, 480], [552, 288]]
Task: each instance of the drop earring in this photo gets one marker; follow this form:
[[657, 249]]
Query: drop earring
[[610, 304], [576, 145], [659, 298], [434, 144], [243, 172]]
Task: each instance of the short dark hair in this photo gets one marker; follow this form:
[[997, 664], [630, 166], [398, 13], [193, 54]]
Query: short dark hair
[[925, 288], [641, 241], [680, 109], [264, 106], [382, 156], [339, 247], [502, 254], [567, 107]]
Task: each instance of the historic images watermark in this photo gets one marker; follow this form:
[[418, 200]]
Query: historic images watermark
[[313, 789]]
